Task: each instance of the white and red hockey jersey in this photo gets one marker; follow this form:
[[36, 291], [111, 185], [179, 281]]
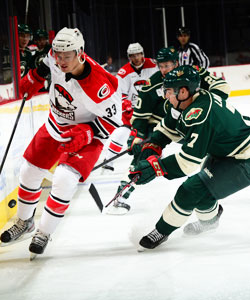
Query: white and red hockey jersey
[[92, 98], [131, 80]]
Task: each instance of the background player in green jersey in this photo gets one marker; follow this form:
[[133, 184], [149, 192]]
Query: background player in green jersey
[[167, 60], [201, 119], [43, 47], [24, 36], [152, 107]]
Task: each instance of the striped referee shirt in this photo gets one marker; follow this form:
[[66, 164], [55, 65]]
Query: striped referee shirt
[[193, 55]]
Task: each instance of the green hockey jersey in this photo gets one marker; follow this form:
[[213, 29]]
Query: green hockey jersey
[[208, 126], [38, 57], [25, 61], [152, 106]]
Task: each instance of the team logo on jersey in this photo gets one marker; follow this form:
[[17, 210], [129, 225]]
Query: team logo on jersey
[[63, 106], [185, 55], [23, 65], [194, 113], [103, 91], [139, 84], [39, 59], [148, 82]]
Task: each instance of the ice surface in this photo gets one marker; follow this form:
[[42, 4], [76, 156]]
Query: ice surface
[[93, 256]]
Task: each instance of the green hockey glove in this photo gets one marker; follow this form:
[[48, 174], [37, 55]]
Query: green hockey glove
[[149, 149], [148, 169], [134, 142]]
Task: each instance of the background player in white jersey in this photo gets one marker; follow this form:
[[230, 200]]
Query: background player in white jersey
[[131, 77], [85, 109]]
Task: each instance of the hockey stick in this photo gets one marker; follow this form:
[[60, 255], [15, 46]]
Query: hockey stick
[[115, 157], [125, 188], [95, 195], [92, 189], [13, 131], [111, 159]]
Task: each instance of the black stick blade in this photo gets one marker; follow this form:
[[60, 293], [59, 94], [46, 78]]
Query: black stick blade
[[96, 197]]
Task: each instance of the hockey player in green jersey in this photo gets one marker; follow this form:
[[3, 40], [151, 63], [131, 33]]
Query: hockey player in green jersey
[[43, 47], [201, 119], [152, 107], [24, 36]]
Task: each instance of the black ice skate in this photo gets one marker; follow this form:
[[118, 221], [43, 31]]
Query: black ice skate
[[199, 227], [18, 230], [39, 243], [152, 240]]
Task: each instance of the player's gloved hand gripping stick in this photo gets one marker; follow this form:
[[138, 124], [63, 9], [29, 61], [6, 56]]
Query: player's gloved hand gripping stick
[[148, 169]]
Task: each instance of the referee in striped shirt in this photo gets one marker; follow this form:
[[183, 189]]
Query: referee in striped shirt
[[190, 53]]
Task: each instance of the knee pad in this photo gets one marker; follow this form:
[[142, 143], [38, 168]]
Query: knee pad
[[65, 180], [31, 176], [120, 135]]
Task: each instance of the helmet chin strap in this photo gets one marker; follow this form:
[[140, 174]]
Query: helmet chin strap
[[180, 101]]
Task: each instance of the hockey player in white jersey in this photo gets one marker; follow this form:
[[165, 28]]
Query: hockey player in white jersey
[[85, 108], [131, 77]]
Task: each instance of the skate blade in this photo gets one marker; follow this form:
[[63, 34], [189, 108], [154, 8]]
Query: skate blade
[[112, 210], [141, 249], [32, 256], [21, 239]]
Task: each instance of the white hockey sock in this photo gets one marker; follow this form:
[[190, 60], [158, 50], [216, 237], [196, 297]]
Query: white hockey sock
[[118, 138], [29, 190], [48, 222], [64, 185]]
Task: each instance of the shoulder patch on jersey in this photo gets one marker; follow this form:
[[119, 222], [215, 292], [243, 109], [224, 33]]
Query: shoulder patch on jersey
[[197, 68], [121, 72], [103, 91], [193, 113], [160, 92]]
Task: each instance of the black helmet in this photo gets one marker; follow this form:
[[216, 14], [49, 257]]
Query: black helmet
[[183, 30], [183, 76], [40, 33], [167, 54], [23, 28]]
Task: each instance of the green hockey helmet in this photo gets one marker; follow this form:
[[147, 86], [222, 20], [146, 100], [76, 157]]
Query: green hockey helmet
[[167, 54], [183, 76], [23, 28], [40, 33]]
